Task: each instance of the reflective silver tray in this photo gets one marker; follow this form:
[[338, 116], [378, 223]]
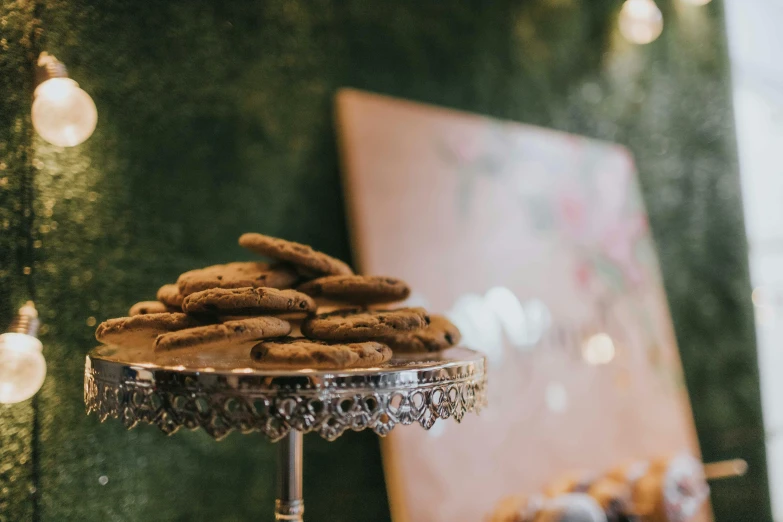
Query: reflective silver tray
[[223, 390]]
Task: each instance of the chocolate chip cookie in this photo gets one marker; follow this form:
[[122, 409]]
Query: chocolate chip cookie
[[169, 295], [248, 301], [306, 353], [362, 325], [227, 333], [151, 307], [357, 289], [237, 275], [439, 335], [308, 261], [143, 329]]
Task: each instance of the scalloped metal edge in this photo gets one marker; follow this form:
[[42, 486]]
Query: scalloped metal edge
[[327, 411]]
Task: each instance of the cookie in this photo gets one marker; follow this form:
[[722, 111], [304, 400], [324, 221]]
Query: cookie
[[306, 353], [357, 289], [572, 482], [518, 508], [362, 325], [615, 498], [237, 275], [439, 335], [143, 329], [151, 307], [241, 331], [570, 508], [308, 261], [248, 301], [169, 295]]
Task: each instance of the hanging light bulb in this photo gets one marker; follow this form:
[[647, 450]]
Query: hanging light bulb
[[63, 114], [22, 365], [640, 21]]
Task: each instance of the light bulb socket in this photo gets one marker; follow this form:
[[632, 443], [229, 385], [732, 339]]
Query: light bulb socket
[[49, 67], [26, 321]]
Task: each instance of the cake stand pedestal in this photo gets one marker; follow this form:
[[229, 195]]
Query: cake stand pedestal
[[222, 390]]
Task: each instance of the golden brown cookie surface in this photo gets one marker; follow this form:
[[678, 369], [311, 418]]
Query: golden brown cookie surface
[[360, 325], [227, 333], [438, 335], [237, 275], [143, 329], [151, 307], [169, 295], [357, 289], [306, 259], [248, 301], [307, 353]]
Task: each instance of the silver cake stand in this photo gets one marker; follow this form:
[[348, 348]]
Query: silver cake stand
[[221, 391]]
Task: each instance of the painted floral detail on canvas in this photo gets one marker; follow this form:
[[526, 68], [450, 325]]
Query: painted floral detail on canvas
[[588, 197]]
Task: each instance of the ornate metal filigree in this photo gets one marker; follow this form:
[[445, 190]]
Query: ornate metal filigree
[[273, 404]]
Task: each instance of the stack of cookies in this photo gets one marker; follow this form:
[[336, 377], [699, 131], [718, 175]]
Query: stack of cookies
[[272, 309]]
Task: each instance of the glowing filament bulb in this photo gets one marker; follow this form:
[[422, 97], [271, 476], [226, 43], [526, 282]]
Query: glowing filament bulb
[[62, 113], [22, 365], [640, 21]]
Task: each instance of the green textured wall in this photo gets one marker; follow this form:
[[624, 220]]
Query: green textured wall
[[215, 118]]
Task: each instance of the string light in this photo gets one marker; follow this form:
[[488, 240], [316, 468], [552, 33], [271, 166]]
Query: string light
[[63, 114], [640, 21], [22, 365]]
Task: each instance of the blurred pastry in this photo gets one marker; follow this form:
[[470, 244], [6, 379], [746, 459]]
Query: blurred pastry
[[574, 482], [518, 508], [672, 490], [571, 507], [615, 498]]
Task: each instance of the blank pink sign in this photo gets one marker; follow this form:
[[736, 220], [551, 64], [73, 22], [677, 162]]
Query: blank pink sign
[[536, 244]]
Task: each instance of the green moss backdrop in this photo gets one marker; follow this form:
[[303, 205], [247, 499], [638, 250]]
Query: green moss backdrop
[[215, 118]]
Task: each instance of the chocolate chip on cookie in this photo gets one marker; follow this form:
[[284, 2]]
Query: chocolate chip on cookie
[[248, 301], [227, 333], [307, 353], [151, 307], [143, 329], [439, 335], [360, 325], [357, 289], [237, 275], [169, 295], [308, 261]]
